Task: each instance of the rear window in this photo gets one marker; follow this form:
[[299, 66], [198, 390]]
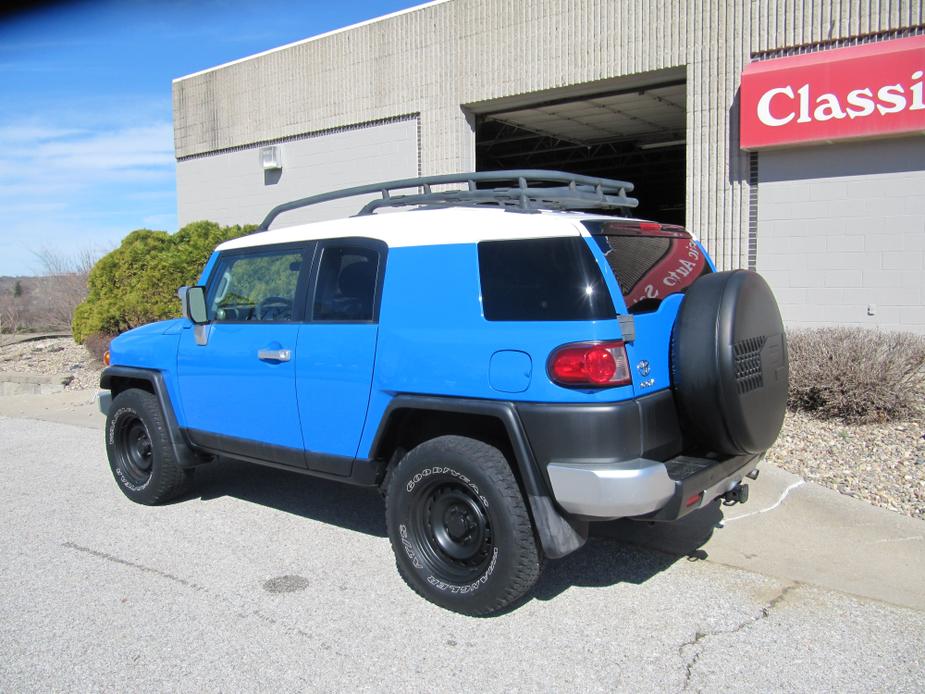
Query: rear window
[[542, 280], [650, 261]]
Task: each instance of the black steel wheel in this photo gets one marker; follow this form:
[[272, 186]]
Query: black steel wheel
[[135, 450], [459, 527], [140, 453], [453, 534]]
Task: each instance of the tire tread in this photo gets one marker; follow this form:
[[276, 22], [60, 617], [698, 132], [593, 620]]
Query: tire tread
[[495, 466], [170, 480]]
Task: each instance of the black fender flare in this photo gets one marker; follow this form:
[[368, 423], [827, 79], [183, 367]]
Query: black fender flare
[[559, 534], [185, 454]]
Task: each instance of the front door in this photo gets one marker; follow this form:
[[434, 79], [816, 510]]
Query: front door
[[238, 385]]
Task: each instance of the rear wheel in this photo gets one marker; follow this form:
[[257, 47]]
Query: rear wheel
[[459, 528], [140, 454]]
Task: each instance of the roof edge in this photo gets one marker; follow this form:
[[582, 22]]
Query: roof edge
[[317, 37]]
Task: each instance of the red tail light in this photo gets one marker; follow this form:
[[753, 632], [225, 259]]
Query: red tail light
[[594, 364]]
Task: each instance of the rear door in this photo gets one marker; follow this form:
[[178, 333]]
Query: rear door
[[238, 386], [336, 350], [653, 265]]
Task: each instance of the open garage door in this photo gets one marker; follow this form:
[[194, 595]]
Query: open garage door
[[633, 133]]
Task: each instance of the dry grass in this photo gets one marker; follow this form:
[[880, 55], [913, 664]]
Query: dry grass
[[855, 375]]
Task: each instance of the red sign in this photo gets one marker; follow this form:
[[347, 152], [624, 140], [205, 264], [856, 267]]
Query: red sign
[[863, 91]]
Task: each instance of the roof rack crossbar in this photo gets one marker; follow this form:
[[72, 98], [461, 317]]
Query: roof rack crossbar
[[529, 199], [578, 192]]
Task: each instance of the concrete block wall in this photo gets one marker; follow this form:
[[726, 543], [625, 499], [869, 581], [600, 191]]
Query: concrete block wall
[[841, 233], [231, 187], [435, 59]]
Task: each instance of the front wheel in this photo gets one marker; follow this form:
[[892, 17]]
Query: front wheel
[[459, 528], [140, 453]]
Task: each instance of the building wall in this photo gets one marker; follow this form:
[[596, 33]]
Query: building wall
[[436, 59], [842, 233], [231, 187]]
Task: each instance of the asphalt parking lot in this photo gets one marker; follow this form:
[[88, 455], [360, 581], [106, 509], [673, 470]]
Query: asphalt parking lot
[[266, 580]]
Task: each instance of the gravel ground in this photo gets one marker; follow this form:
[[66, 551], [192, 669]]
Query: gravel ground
[[59, 355], [883, 464]]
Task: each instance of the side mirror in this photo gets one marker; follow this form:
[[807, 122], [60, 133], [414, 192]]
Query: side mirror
[[194, 304]]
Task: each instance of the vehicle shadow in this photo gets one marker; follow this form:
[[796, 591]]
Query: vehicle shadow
[[626, 551], [616, 552], [353, 508]]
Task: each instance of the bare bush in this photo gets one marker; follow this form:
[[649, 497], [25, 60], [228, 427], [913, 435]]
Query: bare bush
[[859, 376], [67, 284], [11, 314], [97, 344]]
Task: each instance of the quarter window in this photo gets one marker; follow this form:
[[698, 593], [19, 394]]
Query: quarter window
[[553, 279]]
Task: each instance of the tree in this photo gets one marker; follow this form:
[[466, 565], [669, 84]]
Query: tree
[[17, 289], [65, 285], [137, 282]]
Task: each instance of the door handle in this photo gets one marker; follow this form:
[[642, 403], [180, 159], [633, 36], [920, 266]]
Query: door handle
[[274, 354]]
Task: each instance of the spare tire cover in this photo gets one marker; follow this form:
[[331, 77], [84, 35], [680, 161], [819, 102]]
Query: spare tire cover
[[729, 363]]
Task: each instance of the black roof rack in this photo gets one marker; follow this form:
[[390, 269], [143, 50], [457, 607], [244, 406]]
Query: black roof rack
[[535, 189]]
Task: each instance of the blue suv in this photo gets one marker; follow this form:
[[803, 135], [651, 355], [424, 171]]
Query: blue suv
[[507, 363]]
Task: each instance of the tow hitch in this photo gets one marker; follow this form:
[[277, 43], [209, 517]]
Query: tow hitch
[[736, 495]]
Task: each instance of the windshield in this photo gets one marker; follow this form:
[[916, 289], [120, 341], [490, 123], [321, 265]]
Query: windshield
[[650, 261]]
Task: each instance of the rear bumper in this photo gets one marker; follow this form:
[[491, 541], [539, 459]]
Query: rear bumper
[[645, 487], [616, 460]]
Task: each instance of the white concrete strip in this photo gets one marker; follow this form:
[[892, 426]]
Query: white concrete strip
[[898, 539], [773, 506]]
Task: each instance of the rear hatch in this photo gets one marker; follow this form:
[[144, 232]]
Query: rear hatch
[[653, 265]]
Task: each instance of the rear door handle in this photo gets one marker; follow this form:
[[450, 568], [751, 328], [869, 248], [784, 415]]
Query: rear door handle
[[274, 354]]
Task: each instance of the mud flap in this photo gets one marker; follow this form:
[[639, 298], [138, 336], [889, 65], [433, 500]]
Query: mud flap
[[559, 536]]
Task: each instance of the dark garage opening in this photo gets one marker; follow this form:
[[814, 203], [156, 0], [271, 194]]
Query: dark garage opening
[[635, 134]]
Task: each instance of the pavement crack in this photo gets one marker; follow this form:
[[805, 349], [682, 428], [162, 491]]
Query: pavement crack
[[133, 565], [230, 603], [699, 636]]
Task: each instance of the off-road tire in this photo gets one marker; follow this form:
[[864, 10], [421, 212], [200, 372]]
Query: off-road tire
[[140, 453], [470, 487]]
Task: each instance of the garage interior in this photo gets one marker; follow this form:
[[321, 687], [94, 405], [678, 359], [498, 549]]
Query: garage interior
[[633, 132]]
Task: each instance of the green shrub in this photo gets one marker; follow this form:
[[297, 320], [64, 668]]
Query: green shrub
[[856, 375], [137, 282]]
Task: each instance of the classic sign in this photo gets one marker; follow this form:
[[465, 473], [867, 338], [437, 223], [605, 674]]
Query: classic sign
[[871, 90]]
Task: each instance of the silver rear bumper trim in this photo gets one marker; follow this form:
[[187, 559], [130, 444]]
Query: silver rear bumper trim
[[611, 490]]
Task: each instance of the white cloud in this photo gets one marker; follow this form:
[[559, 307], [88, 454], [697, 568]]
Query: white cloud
[[19, 133], [34, 153], [66, 184]]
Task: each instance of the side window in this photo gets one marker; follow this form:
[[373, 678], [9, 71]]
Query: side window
[[346, 286], [552, 279], [256, 287]]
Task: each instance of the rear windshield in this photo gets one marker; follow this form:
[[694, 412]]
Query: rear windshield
[[542, 280], [650, 261]]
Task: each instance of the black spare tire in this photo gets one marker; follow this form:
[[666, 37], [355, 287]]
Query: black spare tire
[[729, 363]]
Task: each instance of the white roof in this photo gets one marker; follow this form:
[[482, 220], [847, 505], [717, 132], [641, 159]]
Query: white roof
[[429, 227]]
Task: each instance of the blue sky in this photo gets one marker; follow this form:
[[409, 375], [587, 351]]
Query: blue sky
[[86, 135]]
